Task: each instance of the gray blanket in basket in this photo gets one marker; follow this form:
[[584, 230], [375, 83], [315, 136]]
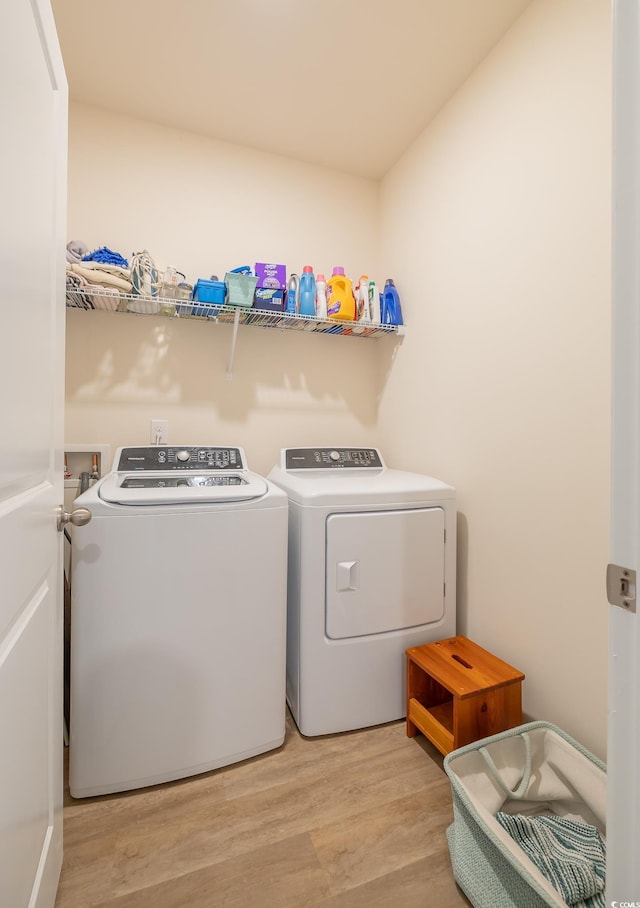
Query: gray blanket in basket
[[569, 854]]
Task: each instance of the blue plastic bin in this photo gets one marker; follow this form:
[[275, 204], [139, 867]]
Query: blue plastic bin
[[210, 292]]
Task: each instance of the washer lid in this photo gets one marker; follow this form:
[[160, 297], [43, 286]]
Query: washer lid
[[156, 488], [190, 474]]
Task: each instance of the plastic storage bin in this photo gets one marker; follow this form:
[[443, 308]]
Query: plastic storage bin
[[212, 293], [241, 289], [531, 770]]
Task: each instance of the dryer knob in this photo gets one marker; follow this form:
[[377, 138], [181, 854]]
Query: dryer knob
[[183, 455], [334, 455]]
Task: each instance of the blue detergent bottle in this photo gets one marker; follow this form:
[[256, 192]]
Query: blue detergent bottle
[[293, 295], [391, 310], [307, 292]]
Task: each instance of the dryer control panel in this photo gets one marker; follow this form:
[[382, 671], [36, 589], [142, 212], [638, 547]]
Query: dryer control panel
[[187, 458], [332, 458]]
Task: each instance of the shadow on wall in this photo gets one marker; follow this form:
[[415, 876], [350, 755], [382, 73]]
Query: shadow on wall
[[124, 359], [387, 351], [462, 572]]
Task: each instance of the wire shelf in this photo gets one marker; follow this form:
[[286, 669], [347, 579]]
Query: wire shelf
[[105, 299]]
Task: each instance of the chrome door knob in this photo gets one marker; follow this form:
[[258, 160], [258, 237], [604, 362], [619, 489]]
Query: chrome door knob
[[78, 517]]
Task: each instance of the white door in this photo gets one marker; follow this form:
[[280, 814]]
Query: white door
[[623, 752], [32, 231]]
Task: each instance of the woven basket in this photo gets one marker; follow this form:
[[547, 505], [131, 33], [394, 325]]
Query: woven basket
[[562, 778]]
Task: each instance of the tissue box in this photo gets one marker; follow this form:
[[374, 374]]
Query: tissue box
[[273, 277], [271, 300]]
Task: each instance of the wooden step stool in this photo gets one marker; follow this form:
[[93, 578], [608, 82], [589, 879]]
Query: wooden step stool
[[458, 692]]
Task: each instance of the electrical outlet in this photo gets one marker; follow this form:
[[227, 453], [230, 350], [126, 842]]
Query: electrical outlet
[[159, 431]]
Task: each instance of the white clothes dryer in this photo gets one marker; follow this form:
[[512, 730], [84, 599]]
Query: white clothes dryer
[[178, 610], [372, 571]]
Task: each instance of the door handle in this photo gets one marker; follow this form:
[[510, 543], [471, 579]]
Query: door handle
[[347, 576], [78, 517]]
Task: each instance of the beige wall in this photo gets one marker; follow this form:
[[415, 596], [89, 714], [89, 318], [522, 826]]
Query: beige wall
[[206, 206], [498, 221]]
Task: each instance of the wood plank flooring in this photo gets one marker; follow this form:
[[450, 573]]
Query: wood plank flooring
[[343, 821]]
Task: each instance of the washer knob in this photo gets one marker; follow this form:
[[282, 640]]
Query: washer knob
[[183, 455], [334, 455]]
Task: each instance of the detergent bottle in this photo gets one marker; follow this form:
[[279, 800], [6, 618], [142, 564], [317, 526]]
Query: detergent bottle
[[307, 291], [341, 302], [362, 299], [374, 302], [293, 295], [391, 309], [321, 297]]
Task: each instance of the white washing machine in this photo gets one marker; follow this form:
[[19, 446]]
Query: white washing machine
[[178, 611], [372, 571]]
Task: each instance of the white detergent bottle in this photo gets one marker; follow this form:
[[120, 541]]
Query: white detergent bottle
[[321, 297], [362, 300], [374, 303]]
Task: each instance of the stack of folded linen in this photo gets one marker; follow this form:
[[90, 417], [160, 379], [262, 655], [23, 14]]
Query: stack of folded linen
[[96, 279], [76, 287]]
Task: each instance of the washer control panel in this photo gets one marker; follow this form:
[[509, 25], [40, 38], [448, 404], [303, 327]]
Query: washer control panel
[[186, 458], [332, 458]]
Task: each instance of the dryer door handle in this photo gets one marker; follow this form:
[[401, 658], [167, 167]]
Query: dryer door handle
[[347, 576]]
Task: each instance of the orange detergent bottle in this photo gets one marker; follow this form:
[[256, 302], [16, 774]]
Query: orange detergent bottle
[[341, 303]]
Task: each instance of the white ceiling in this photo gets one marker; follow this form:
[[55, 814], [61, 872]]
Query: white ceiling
[[344, 83]]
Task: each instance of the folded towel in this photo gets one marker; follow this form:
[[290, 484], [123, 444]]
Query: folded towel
[[104, 254], [569, 854], [75, 287], [110, 269], [104, 278], [76, 249]]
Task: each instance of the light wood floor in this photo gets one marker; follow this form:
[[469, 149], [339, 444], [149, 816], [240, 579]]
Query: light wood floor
[[343, 821]]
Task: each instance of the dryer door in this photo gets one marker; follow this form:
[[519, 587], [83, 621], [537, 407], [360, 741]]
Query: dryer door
[[384, 571]]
